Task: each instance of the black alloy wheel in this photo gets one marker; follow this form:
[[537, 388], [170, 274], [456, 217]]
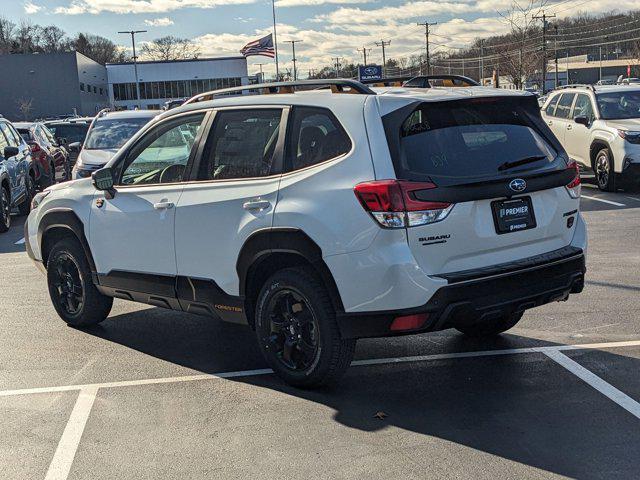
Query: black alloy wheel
[[293, 330], [67, 284], [30, 187], [5, 210]]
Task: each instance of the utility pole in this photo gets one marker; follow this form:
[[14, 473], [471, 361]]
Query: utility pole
[[482, 62], [364, 54], [600, 69], [293, 48], [555, 53], [382, 43], [426, 26], [135, 58], [337, 60], [544, 17], [261, 74]]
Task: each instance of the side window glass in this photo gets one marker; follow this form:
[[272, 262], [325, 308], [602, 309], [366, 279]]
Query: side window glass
[[163, 154], [47, 133], [551, 108], [316, 136], [8, 135], [3, 141], [242, 144], [564, 105], [16, 136], [40, 137], [583, 107]]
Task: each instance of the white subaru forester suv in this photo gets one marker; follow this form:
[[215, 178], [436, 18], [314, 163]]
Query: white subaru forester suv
[[599, 127], [321, 216]]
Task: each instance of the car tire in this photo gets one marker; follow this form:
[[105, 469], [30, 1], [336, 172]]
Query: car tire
[[490, 328], [604, 171], [73, 294], [5, 209], [25, 207], [297, 330]]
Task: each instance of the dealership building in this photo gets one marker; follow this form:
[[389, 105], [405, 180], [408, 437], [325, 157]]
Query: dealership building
[[161, 81], [51, 84]]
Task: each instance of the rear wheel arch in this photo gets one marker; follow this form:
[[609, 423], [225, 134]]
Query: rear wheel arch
[[267, 251], [58, 224]]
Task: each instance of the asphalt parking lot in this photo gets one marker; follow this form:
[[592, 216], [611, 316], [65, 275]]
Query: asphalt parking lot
[[154, 394]]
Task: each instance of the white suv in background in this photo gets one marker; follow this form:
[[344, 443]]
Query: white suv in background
[[318, 217], [599, 127], [107, 133]]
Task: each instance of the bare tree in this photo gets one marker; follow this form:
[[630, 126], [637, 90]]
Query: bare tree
[[518, 59], [25, 107], [7, 34], [26, 38], [52, 39], [100, 49], [170, 48]]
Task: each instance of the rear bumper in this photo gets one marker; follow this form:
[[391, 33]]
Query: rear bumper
[[476, 296]]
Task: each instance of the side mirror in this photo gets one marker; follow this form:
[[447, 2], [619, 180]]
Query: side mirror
[[74, 147], [582, 120], [10, 151], [103, 180]]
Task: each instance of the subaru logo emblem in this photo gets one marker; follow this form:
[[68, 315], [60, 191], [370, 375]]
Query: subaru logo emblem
[[517, 185], [370, 71]]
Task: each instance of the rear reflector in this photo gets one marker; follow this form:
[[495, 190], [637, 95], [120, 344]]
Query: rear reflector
[[394, 205], [409, 322], [574, 186]]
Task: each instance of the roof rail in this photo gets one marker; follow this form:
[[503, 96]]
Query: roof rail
[[103, 112], [337, 86], [466, 81], [576, 85]]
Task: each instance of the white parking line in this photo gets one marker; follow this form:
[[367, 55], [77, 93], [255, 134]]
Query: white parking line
[[632, 198], [67, 446], [266, 371], [608, 390], [66, 451], [20, 242], [617, 204]]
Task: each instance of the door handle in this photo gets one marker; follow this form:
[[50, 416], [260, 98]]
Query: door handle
[[256, 205], [163, 205], [569, 127], [549, 123]]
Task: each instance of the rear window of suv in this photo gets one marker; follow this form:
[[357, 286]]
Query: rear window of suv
[[469, 139]]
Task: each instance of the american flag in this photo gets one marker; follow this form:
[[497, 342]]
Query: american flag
[[262, 46]]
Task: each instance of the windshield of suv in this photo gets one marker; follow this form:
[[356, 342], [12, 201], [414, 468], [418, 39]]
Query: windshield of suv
[[113, 133], [470, 139], [619, 105]]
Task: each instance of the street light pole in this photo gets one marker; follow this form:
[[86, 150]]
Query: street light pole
[[135, 58]]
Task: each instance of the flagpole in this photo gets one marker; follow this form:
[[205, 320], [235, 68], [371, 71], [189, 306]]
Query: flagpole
[[275, 38]]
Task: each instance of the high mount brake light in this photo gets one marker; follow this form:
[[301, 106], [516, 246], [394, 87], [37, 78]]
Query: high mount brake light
[[574, 186], [394, 205]]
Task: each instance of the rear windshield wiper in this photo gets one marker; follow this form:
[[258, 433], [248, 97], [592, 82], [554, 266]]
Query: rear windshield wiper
[[522, 161]]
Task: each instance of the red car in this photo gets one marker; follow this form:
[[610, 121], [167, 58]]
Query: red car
[[50, 159]]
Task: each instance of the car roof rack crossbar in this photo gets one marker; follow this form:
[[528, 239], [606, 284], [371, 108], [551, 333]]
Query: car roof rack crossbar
[[336, 85], [576, 85]]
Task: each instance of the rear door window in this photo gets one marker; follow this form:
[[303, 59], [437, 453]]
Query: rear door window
[[241, 144], [563, 109], [11, 139], [469, 139]]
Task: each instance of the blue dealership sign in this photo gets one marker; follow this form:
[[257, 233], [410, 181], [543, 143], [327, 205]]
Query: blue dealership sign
[[370, 72]]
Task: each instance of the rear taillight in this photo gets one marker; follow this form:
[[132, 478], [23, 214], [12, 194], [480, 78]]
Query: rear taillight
[[394, 205], [574, 186]]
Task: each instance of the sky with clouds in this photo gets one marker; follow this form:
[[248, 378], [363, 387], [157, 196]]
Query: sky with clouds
[[327, 28]]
